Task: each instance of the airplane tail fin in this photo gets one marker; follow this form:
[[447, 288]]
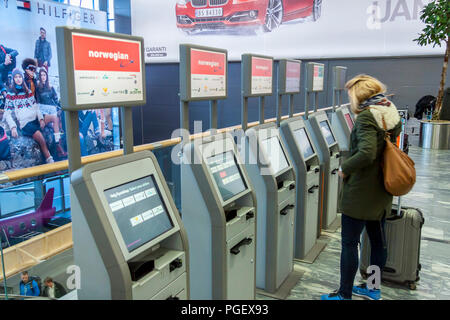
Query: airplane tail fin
[[47, 203]]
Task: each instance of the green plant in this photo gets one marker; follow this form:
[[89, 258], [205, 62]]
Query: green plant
[[436, 16]]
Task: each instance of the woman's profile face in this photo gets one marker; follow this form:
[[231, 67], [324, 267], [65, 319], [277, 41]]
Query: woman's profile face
[[18, 79], [43, 77]]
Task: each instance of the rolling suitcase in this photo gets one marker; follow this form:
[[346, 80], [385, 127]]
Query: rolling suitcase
[[403, 233]]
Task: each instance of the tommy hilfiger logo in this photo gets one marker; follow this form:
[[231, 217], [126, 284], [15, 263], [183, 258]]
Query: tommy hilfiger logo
[[23, 5]]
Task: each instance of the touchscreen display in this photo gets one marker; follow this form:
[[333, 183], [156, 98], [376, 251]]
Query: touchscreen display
[[274, 151], [349, 120], [326, 131], [303, 141], [227, 175], [139, 211]]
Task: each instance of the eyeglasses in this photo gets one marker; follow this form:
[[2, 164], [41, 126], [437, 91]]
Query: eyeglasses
[[31, 68]]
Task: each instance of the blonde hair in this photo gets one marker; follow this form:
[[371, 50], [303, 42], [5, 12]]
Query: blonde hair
[[361, 88]]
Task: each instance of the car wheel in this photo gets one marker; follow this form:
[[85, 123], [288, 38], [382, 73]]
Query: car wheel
[[317, 9], [274, 15]]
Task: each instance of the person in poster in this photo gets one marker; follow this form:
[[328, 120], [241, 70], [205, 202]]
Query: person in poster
[[43, 50], [21, 101], [49, 104], [29, 66], [7, 62]]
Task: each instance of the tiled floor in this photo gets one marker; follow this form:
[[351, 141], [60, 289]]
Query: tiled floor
[[432, 195]]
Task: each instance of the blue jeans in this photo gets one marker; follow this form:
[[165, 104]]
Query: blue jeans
[[351, 235], [91, 117]]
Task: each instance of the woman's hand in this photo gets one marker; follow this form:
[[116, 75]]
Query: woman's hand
[[14, 132], [342, 174], [42, 122]]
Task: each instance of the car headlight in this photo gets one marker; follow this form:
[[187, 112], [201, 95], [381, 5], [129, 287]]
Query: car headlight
[[183, 2]]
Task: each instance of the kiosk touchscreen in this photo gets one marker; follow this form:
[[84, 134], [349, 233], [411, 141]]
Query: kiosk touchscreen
[[343, 123], [219, 212], [273, 178], [305, 160], [130, 242], [328, 150]]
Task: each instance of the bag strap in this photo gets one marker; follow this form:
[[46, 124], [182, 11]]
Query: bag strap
[[3, 49]]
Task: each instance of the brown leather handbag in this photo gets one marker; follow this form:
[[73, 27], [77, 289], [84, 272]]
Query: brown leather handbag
[[398, 168]]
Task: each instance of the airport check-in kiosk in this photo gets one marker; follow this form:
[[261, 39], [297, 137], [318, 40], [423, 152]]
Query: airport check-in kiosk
[[327, 147], [128, 238], [341, 118], [328, 150], [219, 213], [273, 179], [305, 160], [218, 202]]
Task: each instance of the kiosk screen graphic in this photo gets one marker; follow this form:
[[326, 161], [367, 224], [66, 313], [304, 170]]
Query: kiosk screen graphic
[[139, 211], [326, 131], [262, 72], [226, 174], [349, 120], [305, 144], [293, 77], [273, 149]]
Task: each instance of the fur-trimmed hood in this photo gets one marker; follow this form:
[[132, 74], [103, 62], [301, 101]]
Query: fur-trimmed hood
[[390, 114]]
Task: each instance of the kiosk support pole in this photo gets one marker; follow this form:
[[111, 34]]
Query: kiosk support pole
[[340, 98], [335, 92], [127, 127], [291, 105], [73, 140], [244, 113], [213, 116], [307, 101], [316, 101], [279, 107], [261, 110], [184, 120]]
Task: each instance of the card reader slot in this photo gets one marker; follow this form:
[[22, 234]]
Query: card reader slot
[[286, 209], [235, 250], [139, 269], [230, 214], [335, 171], [313, 188]]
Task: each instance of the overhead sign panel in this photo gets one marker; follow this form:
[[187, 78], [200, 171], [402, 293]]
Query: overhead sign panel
[[203, 73], [257, 75], [100, 69]]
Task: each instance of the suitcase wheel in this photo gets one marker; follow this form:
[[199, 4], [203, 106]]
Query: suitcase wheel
[[412, 285]]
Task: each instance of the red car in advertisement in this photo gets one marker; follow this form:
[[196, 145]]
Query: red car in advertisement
[[198, 15]]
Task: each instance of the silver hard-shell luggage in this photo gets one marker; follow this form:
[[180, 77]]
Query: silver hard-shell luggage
[[403, 233]]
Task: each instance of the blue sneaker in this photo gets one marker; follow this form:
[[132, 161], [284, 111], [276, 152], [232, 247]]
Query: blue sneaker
[[362, 291], [333, 296]]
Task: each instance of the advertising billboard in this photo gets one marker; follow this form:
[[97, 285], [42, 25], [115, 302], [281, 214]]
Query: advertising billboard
[[29, 60], [284, 29], [203, 73]]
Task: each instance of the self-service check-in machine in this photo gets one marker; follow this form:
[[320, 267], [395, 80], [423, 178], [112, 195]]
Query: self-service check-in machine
[[218, 202], [273, 180], [305, 162], [128, 238], [341, 119], [327, 149]]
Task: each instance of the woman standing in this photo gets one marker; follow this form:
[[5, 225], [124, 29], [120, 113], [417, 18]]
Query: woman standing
[[48, 104], [364, 202], [20, 100]]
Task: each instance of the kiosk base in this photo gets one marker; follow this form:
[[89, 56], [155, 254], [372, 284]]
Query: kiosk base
[[312, 255], [285, 289]]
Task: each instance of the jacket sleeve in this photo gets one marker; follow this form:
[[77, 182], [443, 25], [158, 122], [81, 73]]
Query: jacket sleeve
[[36, 291], [38, 110], [36, 49], [366, 147], [396, 131], [22, 289], [13, 53], [9, 109]]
